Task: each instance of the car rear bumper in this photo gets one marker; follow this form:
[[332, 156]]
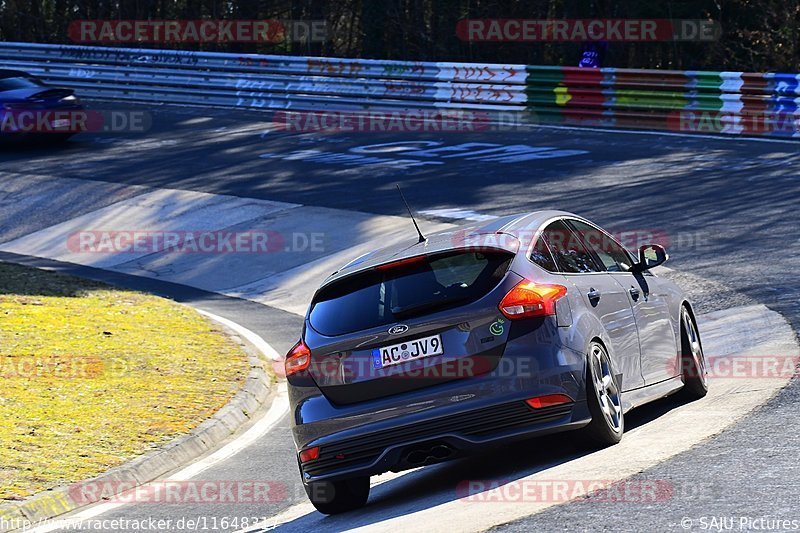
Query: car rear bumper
[[444, 420], [438, 438]]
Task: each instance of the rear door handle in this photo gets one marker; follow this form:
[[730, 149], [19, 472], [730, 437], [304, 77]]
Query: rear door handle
[[593, 294], [634, 293]]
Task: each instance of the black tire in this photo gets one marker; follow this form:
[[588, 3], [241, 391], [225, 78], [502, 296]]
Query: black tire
[[693, 361], [334, 497], [604, 398]]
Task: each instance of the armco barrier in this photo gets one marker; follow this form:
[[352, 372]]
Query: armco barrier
[[690, 101], [266, 81]]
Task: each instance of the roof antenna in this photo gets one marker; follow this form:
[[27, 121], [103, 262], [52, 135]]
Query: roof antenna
[[422, 237]]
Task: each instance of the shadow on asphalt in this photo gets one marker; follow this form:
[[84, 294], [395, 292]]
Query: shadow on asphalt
[[30, 147], [439, 484]]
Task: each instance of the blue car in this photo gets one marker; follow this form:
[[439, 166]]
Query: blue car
[[31, 108], [522, 326]]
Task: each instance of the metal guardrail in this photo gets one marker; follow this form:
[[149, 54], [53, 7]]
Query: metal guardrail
[[266, 81], [703, 101], [689, 101]]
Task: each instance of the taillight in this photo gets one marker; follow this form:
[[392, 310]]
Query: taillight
[[528, 299], [548, 401], [309, 454], [298, 358]]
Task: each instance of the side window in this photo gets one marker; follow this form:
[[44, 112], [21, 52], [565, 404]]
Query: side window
[[541, 255], [569, 253], [611, 254]]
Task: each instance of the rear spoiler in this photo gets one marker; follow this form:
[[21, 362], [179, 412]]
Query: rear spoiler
[[50, 93], [488, 242]]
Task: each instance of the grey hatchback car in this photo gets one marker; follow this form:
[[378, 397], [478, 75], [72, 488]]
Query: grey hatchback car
[[509, 329]]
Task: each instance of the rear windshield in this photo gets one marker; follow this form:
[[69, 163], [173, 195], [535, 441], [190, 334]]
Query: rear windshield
[[382, 297], [10, 84]]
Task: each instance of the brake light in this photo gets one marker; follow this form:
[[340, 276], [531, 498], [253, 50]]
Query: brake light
[[401, 263], [309, 454], [548, 401], [528, 299], [298, 358]]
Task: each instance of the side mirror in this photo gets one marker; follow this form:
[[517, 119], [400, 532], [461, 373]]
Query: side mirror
[[650, 255]]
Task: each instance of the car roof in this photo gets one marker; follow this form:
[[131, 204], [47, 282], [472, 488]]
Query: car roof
[[517, 229]]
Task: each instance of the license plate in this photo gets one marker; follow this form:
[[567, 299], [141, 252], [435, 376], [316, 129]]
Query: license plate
[[407, 351]]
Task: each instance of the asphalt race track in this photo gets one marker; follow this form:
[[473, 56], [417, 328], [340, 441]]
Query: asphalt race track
[[725, 208]]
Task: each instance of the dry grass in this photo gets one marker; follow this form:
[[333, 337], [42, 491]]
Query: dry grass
[[93, 376]]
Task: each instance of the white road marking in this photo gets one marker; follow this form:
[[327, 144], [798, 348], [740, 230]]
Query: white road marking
[[251, 336]]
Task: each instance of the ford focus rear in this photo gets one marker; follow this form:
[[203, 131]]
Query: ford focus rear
[[420, 353]]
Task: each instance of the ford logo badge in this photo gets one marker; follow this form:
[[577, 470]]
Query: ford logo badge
[[398, 329]]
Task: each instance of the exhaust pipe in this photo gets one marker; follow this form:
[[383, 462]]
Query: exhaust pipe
[[441, 452], [435, 453]]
